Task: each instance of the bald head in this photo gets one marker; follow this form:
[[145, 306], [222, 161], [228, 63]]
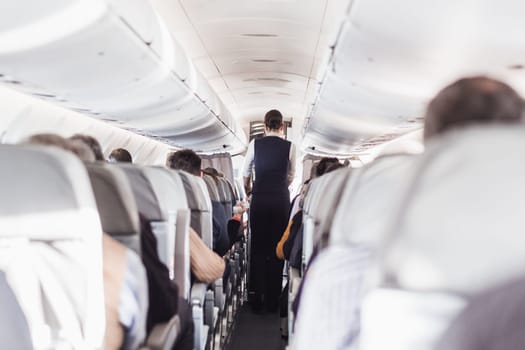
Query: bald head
[[470, 101]]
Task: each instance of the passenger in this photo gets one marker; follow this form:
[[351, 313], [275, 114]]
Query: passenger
[[272, 160], [92, 143], [336, 277], [234, 225], [189, 161], [164, 300], [206, 265], [120, 155], [325, 162], [126, 300]]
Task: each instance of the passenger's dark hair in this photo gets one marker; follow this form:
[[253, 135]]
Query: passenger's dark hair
[[468, 101], [92, 143], [333, 166], [186, 160], [273, 119], [121, 155], [323, 164]]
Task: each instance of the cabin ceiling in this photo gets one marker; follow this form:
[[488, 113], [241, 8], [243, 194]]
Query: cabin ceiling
[[257, 54]]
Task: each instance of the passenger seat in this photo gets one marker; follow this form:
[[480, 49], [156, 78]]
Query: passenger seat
[[51, 246]]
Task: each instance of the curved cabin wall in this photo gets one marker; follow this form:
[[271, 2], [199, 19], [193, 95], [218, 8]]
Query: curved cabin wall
[[113, 60], [23, 116]]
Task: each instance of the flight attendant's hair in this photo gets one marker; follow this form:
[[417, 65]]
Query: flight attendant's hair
[[273, 119]]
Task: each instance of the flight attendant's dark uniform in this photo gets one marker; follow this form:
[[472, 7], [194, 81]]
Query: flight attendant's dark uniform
[[269, 209]]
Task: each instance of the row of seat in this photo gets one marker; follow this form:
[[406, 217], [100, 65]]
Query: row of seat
[[414, 240], [51, 225]]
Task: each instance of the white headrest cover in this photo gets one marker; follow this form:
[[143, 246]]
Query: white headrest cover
[[46, 195], [168, 188], [463, 222], [370, 200]]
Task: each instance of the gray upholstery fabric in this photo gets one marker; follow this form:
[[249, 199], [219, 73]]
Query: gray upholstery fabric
[[51, 251], [145, 197], [200, 205], [213, 189], [15, 331], [220, 161], [116, 204], [493, 320]]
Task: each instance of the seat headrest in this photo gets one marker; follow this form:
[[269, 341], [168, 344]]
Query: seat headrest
[[196, 192], [212, 188], [168, 188], [462, 223], [147, 202], [46, 195], [225, 190], [115, 201], [368, 201]]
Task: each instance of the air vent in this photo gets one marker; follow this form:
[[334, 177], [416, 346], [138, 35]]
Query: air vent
[[277, 80], [263, 60], [255, 93], [283, 94], [516, 67], [260, 35]]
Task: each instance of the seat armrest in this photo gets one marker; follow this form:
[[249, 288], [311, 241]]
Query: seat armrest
[[163, 336], [198, 294]]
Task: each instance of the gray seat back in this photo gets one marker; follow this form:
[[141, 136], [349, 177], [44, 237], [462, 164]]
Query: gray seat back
[[227, 195], [51, 246], [458, 232], [169, 190], [149, 207], [200, 205], [116, 204], [493, 319]]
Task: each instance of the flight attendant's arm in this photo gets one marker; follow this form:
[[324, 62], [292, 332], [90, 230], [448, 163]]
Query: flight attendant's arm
[[291, 170], [248, 166]]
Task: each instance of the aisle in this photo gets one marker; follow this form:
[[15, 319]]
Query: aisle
[[256, 332]]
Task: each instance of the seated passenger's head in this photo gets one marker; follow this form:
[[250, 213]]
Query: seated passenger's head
[[212, 172], [469, 101], [120, 155], [186, 160], [92, 143], [77, 147], [273, 121], [324, 163]]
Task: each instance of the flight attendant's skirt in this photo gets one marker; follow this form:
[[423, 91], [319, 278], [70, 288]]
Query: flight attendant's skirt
[[268, 219]]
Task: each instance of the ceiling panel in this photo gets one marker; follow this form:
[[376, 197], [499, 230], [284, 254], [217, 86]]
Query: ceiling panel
[[257, 54]]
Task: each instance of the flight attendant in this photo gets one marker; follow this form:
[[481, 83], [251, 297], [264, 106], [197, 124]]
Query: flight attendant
[[271, 162]]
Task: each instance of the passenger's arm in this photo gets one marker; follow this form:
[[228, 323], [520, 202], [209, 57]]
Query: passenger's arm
[[133, 306], [206, 265], [279, 249]]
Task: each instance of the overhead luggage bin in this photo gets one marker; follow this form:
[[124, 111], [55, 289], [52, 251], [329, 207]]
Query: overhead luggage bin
[[111, 60]]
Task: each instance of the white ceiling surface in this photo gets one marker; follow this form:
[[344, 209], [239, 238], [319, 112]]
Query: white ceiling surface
[[257, 54], [393, 56]]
